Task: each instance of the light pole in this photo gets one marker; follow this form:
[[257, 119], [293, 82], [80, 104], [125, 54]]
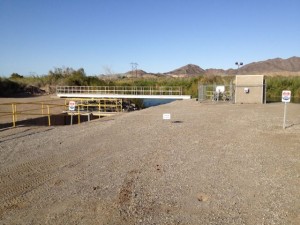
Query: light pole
[[239, 64]]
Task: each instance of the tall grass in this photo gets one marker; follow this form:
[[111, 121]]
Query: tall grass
[[275, 86], [68, 76]]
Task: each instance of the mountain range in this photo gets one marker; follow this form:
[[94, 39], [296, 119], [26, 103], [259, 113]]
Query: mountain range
[[277, 66]]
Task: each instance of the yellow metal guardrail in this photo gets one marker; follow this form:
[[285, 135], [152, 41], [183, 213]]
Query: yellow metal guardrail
[[87, 106], [102, 104], [46, 108], [16, 112]]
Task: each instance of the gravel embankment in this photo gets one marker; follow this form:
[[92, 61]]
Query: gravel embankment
[[211, 164]]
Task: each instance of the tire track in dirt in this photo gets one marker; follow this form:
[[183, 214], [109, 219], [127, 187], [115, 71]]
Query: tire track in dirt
[[28, 168], [25, 133], [41, 164], [20, 182]]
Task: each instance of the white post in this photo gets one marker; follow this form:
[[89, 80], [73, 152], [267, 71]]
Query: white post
[[284, 115]]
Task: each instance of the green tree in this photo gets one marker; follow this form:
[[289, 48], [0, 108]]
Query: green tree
[[15, 76], [9, 87], [77, 78]]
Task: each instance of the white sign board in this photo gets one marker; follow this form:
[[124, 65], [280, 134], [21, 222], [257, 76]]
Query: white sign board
[[286, 96], [166, 116], [220, 89], [72, 105]]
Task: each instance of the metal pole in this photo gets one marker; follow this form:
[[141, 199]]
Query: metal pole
[[49, 122], [230, 92], [99, 107], [265, 93], [284, 115], [78, 115], [16, 114], [13, 115]]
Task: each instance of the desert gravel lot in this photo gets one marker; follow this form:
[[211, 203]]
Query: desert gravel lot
[[210, 164]]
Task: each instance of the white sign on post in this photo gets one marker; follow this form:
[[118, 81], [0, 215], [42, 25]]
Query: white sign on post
[[166, 116], [72, 105], [286, 96]]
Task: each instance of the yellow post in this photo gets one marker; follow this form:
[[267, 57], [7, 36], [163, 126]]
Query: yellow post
[[16, 114], [49, 122], [99, 107], [78, 115], [13, 115], [66, 106]]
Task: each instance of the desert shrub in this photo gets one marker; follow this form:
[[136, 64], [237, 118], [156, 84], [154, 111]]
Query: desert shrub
[[275, 86], [9, 87]]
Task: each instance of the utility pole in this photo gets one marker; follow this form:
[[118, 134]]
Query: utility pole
[[134, 68]]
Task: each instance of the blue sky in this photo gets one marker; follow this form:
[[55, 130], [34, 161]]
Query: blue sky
[[160, 35]]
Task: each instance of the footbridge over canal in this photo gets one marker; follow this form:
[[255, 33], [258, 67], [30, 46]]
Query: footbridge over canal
[[120, 92]]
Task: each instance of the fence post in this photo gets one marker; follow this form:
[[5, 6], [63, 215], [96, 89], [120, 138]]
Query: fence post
[[78, 115], [13, 115], [99, 107], [49, 120], [42, 108], [66, 106], [265, 92], [231, 92], [16, 114]]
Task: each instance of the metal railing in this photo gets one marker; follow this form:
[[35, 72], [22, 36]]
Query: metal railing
[[13, 112], [97, 105], [16, 111], [209, 93], [119, 90]]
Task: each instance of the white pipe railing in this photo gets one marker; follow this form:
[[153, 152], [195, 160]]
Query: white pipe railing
[[120, 90]]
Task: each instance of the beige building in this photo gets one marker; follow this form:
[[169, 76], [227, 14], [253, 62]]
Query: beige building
[[250, 89]]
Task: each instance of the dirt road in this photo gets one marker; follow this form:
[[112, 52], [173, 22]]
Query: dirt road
[[210, 164]]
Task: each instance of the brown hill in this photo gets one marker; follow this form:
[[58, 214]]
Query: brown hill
[[136, 73], [277, 66], [188, 70], [215, 72], [272, 66]]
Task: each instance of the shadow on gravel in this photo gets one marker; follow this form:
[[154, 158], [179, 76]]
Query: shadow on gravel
[[177, 121], [292, 125], [20, 135]]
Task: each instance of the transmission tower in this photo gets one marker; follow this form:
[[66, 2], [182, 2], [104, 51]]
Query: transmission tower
[[134, 66]]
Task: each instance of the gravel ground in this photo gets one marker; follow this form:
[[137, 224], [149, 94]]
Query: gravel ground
[[209, 164]]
